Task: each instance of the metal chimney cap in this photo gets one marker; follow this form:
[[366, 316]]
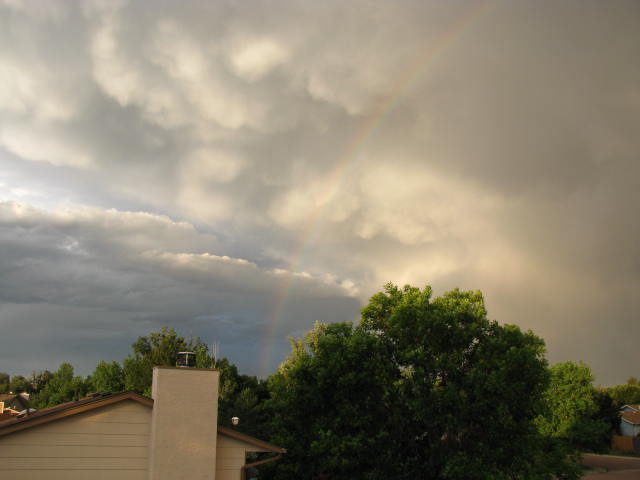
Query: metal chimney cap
[[186, 359]]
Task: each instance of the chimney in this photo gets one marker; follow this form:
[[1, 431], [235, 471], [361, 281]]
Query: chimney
[[184, 423]]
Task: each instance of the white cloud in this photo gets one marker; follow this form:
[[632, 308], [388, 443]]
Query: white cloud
[[212, 165], [43, 144], [39, 10], [255, 59], [29, 90]]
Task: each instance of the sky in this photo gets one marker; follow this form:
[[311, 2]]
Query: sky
[[240, 170]]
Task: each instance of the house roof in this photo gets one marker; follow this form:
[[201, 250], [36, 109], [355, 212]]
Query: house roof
[[98, 400], [264, 446], [631, 417], [9, 398], [63, 410]]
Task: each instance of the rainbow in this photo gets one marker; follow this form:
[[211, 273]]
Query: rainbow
[[336, 175]]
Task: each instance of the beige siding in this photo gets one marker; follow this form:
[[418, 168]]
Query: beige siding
[[109, 442], [231, 457]]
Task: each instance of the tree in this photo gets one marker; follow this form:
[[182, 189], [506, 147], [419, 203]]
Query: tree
[[107, 377], [421, 388], [328, 405], [63, 387], [625, 394], [474, 387], [242, 396], [5, 379], [19, 384], [576, 412], [39, 380], [159, 349]]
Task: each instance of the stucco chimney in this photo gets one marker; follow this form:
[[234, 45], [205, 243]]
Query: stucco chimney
[[184, 424]]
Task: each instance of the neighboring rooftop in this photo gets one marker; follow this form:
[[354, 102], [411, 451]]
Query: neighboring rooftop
[[631, 417], [17, 401]]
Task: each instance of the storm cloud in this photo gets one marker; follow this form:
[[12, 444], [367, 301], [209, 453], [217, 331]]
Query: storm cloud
[[238, 171]]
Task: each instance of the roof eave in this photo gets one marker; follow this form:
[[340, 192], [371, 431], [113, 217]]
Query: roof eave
[[29, 421]]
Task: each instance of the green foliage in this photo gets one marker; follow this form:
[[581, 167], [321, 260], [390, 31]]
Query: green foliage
[[107, 377], [18, 384], [63, 387], [159, 349], [625, 394], [38, 381], [138, 373], [5, 378], [577, 414], [242, 396], [421, 388], [329, 408]]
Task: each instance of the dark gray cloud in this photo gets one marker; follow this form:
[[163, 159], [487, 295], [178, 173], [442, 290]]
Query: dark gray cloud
[[87, 272], [192, 164]]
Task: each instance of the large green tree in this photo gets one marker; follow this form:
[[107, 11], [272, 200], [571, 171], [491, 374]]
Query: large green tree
[[422, 388], [329, 406], [473, 386]]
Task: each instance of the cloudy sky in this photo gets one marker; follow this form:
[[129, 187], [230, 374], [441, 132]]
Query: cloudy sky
[[238, 170]]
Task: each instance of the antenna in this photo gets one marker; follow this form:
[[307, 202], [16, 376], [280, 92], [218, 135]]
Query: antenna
[[216, 348]]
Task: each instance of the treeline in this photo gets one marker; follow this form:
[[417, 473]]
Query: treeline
[[239, 394], [421, 387]]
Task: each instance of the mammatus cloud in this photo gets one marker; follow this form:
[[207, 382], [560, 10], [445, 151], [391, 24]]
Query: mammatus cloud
[[239, 172]]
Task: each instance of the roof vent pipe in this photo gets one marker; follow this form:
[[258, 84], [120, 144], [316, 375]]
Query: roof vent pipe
[[186, 359]]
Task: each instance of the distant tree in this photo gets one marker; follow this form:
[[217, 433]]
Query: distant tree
[[107, 377], [625, 394], [609, 412], [39, 380], [137, 374], [5, 380], [576, 412], [159, 349], [242, 396], [63, 387], [633, 381], [19, 384]]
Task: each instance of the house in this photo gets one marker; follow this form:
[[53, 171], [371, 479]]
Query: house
[[173, 435], [15, 401], [630, 420]]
